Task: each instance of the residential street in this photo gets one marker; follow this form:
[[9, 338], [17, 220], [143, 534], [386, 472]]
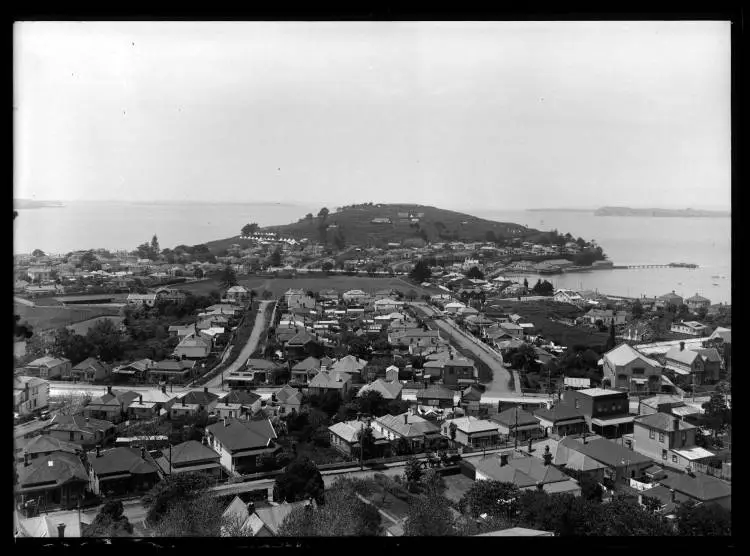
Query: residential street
[[258, 328]]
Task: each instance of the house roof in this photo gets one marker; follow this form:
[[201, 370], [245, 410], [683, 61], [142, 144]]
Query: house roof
[[261, 365], [698, 299], [200, 397], [273, 516], [349, 431], [685, 356], [47, 362], [508, 417], [20, 382], [701, 487], [57, 468], [78, 423], [470, 424], [522, 471], [415, 426], [471, 394], [121, 460], [330, 379], [656, 401], [624, 354], [723, 333], [559, 412], [595, 392], [237, 289], [663, 422], [190, 451], [194, 341], [389, 390], [243, 435], [309, 364], [90, 362], [349, 364], [436, 392], [301, 338], [289, 395], [605, 451], [172, 365], [46, 443], [518, 532], [240, 396], [709, 354]]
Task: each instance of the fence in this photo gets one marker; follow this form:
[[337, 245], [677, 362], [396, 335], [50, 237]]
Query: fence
[[723, 472]]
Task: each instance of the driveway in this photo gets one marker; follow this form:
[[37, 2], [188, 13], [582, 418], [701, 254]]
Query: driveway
[[252, 342]]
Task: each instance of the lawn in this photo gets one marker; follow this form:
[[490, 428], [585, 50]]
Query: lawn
[[318, 454], [385, 501], [43, 318], [458, 485]]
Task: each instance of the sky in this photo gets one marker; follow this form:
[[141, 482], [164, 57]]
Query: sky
[[490, 115]]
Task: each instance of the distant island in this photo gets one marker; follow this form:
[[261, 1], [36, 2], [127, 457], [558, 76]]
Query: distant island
[[34, 204], [559, 210], [658, 212]]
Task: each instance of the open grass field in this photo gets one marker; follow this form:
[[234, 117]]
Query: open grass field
[[277, 286], [457, 485], [44, 318]]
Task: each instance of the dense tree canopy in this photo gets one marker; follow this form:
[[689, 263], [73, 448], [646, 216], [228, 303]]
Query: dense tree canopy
[[173, 490], [228, 277], [249, 229], [429, 516], [300, 481], [109, 522], [475, 273], [421, 272], [703, 520]]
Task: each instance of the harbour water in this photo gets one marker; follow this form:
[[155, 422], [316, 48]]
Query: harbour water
[[626, 240]]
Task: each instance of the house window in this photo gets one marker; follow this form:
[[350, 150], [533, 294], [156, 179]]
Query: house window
[[72, 435], [661, 437], [674, 458], [638, 371], [651, 434], [684, 437], [578, 404], [664, 455]]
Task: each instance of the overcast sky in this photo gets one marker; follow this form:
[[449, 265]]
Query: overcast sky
[[492, 115]]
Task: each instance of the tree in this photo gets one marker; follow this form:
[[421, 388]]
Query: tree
[[72, 403], [429, 516], [493, 498], [155, 247], [22, 330], [38, 253], [71, 346], [543, 288], [326, 266], [717, 413], [249, 229], [475, 273], [323, 213], [105, 340], [421, 272], [275, 259], [88, 258], [343, 514], [372, 403], [703, 520], [198, 273], [200, 515], [590, 488], [611, 342], [228, 277], [301, 480], [637, 309], [109, 522], [413, 474], [173, 490], [433, 483], [490, 236], [309, 216], [526, 284], [452, 428]]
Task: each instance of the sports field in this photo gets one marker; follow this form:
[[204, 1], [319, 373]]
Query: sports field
[[43, 318]]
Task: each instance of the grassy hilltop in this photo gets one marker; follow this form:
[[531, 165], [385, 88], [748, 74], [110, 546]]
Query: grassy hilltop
[[354, 225]]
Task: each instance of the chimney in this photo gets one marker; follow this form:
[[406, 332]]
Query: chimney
[[60, 529], [183, 400], [109, 390], [676, 423], [87, 419], [225, 421], [143, 452], [406, 418], [140, 398], [164, 389], [584, 437], [251, 507], [205, 389], [26, 459], [503, 460], [98, 450], [672, 495]]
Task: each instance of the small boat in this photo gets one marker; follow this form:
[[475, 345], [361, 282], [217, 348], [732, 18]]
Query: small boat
[[714, 284]]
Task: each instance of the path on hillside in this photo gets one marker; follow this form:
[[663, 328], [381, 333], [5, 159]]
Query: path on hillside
[[23, 301], [500, 375], [247, 351]]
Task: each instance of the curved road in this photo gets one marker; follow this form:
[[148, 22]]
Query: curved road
[[500, 375], [247, 351]]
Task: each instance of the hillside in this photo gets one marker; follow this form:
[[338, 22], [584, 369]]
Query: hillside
[[354, 225]]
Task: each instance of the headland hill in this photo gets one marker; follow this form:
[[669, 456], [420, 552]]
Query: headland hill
[[24, 204]]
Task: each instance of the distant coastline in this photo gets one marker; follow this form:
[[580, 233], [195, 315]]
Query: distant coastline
[[559, 210], [23, 204], [658, 212]]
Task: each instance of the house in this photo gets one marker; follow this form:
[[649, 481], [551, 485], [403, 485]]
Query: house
[[112, 406], [326, 381], [328, 295], [142, 299], [621, 463], [355, 296], [667, 299], [629, 370], [349, 364], [569, 459], [30, 395], [121, 470], [472, 432], [190, 457], [388, 390], [249, 402], [90, 370], [344, 437], [149, 408], [57, 479], [49, 368], [606, 412], [668, 440], [289, 400], [437, 396], [415, 340], [39, 273], [44, 445], [193, 347], [300, 345], [259, 522], [693, 328], [721, 333], [182, 331], [663, 403], [387, 305], [606, 316], [701, 488], [517, 423], [135, 371], [194, 402], [567, 296], [526, 473], [170, 295], [241, 444], [453, 307], [237, 294], [713, 364], [255, 373], [639, 332], [81, 430], [413, 429], [471, 398], [171, 370], [692, 364], [697, 302], [303, 371]]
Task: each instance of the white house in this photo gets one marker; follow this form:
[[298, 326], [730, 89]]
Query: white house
[[30, 394], [147, 299]]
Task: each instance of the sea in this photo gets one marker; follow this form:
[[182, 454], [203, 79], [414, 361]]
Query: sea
[[625, 240]]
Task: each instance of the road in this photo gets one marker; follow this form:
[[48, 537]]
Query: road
[[23, 301], [500, 375], [252, 342]]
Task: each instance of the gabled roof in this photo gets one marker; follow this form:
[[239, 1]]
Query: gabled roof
[[701, 487], [289, 395], [560, 412], [261, 365], [656, 401], [243, 435], [200, 397], [709, 354], [349, 364], [436, 392], [47, 362], [470, 424], [522, 472], [624, 354], [191, 451], [241, 397], [508, 417], [663, 422], [685, 356], [309, 364], [172, 365], [329, 379], [415, 426], [697, 299], [301, 338], [45, 443], [90, 362], [349, 431], [194, 341], [78, 423], [389, 390], [20, 382], [605, 451], [121, 460]]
